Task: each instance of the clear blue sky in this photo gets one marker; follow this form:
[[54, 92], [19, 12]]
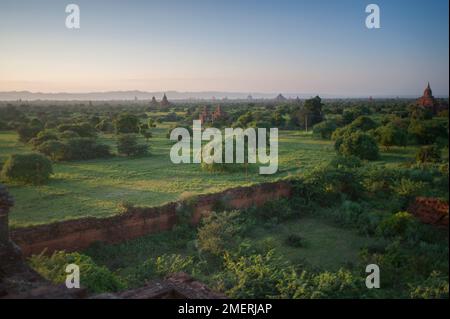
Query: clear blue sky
[[317, 47]]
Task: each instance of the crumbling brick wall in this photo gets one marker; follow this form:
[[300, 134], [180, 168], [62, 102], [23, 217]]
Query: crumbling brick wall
[[78, 234]]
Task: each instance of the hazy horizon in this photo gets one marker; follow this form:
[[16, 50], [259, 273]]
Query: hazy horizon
[[263, 47]]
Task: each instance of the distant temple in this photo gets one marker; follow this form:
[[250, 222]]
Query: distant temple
[[209, 117], [154, 104], [280, 98], [164, 102], [429, 102]]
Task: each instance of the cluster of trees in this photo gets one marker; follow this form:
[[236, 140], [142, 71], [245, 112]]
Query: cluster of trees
[[362, 136], [27, 169], [69, 139]]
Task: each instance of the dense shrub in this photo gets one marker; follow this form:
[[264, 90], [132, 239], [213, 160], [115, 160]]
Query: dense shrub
[[55, 150], [68, 134], [428, 154], [304, 285], [96, 279], [27, 168], [82, 129], [73, 149], [358, 144], [390, 135], [127, 144], [294, 240], [336, 183], [254, 276], [105, 125], [434, 287], [27, 132], [126, 124], [325, 129], [84, 149], [361, 124], [397, 225], [43, 136], [219, 232], [274, 212], [428, 132]]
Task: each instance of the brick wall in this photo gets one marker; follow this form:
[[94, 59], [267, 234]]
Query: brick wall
[[73, 235]]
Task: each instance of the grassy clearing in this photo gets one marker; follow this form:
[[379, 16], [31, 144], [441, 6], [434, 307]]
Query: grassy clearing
[[326, 246], [95, 188]]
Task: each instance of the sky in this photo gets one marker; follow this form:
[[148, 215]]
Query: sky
[[316, 47]]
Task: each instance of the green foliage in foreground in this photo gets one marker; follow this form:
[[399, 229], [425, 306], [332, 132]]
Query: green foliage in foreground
[[95, 278], [244, 254]]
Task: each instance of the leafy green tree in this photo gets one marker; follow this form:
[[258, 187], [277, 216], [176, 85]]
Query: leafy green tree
[[277, 119], [126, 124], [84, 129], [127, 144], [308, 115], [27, 168], [397, 225], [390, 135], [325, 129], [104, 126], [56, 150], [429, 132], [27, 132], [358, 144], [43, 136], [363, 123]]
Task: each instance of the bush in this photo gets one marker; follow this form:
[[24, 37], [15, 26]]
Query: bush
[[27, 168], [254, 276], [358, 144], [43, 136], [325, 129], [331, 184], [26, 132], [294, 240], [69, 134], [218, 233], [274, 212], [428, 132], [409, 188], [96, 279], [340, 284], [126, 124], [82, 129], [391, 135], [127, 144], [397, 225], [434, 287], [54, 149], [428, 154], [361, 124]]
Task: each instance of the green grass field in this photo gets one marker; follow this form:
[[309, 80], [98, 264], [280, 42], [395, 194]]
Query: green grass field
[[96, 187]]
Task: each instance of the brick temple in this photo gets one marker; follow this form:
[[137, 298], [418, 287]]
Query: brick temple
[[428, 101], [209, 117]]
